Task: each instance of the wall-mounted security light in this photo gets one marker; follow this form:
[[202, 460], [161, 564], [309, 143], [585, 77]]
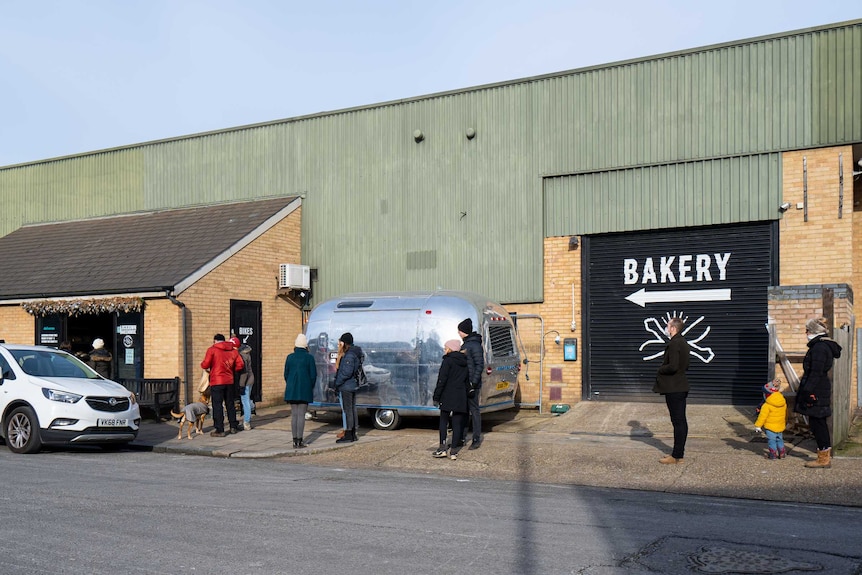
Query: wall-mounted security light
[[471, 133], [859, 173], [573, 243], [418, 136], [557, 338], [784, 207]]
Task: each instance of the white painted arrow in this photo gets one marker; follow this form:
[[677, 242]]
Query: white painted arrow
[[643, 297]]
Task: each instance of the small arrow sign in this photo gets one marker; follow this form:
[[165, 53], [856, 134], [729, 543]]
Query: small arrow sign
[[643, 297]]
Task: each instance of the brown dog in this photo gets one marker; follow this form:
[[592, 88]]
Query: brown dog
[[194, 415]]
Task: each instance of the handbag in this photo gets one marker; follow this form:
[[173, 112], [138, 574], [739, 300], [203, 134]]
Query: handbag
[[205, 382]]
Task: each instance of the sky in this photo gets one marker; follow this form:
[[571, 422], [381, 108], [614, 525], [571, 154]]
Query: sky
[[84, 75]]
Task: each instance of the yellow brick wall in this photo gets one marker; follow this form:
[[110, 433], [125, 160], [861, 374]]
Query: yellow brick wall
[[16, 325], [251, 274], [820, 250], [562, 283], [790, 317], [163, 348]]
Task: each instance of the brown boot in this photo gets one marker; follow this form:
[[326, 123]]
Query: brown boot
[[824, 459]]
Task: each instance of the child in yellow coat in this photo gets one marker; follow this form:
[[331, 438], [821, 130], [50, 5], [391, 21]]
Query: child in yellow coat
[[773, 419]]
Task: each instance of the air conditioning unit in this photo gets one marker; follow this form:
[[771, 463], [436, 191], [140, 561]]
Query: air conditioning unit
[[294, 276]]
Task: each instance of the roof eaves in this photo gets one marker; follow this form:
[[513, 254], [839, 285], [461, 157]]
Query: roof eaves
[[147, 293], [190, 280]]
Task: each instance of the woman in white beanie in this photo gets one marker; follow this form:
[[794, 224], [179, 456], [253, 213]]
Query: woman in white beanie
[[300, 374], [100, 358]]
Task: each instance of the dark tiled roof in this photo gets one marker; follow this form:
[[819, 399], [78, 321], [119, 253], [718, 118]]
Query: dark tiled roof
[[141, 252]]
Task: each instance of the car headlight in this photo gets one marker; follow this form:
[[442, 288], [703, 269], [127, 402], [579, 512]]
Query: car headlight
[[132, 399], [62, 396]]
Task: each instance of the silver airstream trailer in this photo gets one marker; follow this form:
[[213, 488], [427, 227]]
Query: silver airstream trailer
[[402, 336]]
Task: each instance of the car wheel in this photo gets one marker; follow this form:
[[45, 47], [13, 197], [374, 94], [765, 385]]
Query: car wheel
[[386, 419], [22, 431]]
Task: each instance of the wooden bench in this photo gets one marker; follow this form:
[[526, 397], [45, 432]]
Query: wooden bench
[[156, 395]]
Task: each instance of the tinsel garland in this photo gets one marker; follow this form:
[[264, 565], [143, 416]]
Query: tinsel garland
[[76, 307]]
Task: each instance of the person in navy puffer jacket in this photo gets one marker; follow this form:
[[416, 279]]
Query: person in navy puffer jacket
[[346, 383]]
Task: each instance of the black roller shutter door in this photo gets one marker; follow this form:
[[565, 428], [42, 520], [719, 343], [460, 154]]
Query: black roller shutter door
[[716, 278]]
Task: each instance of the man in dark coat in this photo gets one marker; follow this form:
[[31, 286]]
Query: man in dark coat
[[672, 382], [472, 348]]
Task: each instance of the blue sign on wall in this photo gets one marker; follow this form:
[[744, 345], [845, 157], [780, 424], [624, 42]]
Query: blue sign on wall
[[570, 349]]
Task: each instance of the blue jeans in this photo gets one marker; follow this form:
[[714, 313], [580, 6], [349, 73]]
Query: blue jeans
[[246, 403], [774, 439]]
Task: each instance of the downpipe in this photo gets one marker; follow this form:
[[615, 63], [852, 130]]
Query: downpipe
[[182, 307]]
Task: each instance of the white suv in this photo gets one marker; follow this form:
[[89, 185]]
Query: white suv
[[49, 397]]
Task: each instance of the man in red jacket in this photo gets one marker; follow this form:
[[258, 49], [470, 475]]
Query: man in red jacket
[[221, 361]]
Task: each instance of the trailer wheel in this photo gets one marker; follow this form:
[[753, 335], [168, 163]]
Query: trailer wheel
[[386, 419]]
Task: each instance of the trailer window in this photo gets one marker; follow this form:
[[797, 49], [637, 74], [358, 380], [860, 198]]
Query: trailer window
[[354, 304], [502, 342]]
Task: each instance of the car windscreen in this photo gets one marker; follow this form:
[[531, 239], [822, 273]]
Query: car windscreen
[[52, 364]]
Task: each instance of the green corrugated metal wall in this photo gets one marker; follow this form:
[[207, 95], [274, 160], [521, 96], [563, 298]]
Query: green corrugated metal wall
[[619, 146], [665, 196]]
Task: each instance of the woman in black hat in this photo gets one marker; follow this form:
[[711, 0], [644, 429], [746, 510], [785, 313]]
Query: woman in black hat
[[346, 383]]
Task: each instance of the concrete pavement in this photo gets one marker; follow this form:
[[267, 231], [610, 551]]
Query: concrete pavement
[[596, 443]]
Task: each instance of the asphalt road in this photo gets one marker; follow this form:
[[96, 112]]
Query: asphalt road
[[93, 512]]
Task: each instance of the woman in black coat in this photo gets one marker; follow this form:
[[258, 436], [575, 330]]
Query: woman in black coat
[[451, 395], [814, 397]]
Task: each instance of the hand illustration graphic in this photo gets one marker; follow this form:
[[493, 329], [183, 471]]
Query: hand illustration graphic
[[658, 331]]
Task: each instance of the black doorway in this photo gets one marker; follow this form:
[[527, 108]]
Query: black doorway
[[245, 321], [81, 330]]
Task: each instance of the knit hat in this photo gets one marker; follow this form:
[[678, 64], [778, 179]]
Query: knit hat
[[771, 387], [466, 326], [235, 341], [815, 325], [301, 341], [98, 343], [453, 345], [347, 338]]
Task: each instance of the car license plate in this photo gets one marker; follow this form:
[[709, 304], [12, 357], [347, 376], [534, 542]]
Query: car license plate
[[112, 422], [502, 385]]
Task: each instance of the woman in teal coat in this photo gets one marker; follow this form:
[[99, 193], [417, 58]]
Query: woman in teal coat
[[300, 374]]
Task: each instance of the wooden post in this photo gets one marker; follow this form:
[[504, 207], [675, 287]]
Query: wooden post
[[829, 310]]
